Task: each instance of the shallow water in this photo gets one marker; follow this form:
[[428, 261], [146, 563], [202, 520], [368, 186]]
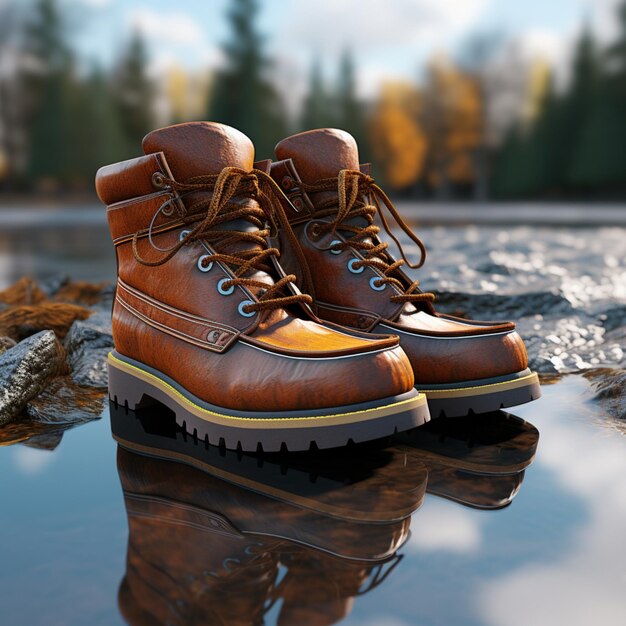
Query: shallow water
[[555, 555]]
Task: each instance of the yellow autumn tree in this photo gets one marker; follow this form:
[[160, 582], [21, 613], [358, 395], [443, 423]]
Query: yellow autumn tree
[[185, 94], [452, 115], [398, 143]]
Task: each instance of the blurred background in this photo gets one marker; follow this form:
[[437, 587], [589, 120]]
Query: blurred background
[[463, 100]]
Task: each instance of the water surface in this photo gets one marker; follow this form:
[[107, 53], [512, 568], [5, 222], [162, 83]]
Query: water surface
[[555, 555]]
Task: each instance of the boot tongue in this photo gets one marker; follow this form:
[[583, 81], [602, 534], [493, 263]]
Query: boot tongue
[[320, 153], [200, 148]]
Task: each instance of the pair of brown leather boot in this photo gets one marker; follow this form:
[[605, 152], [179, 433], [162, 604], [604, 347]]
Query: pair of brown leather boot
[[334, 343]]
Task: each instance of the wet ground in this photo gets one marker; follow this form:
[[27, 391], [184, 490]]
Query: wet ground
[[280, 541]]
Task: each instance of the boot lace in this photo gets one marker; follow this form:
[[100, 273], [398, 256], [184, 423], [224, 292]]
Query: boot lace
[[361, 197], [214, 204]]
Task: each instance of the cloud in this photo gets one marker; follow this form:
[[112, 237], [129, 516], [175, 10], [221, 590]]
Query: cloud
[[173, 27], [444, 526], [97, 3], [31, 461], [332, 25], [586, 585]]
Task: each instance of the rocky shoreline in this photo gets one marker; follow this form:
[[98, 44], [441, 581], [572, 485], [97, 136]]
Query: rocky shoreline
[[53, 345], [566, 289]]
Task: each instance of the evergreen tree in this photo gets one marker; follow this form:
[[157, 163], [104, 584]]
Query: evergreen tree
[[45, 90], [316, 110], [579, 105], [597, 163], [134, 91], [349, 109], [543, 152], [243, 96], [617, 52], [96, 118]]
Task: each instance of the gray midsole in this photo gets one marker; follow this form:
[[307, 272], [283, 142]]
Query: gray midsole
[[475, 383]]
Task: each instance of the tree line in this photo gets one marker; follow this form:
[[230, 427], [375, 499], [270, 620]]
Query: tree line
[[484, 125]]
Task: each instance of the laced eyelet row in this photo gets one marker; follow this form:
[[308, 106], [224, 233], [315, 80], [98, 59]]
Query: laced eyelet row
[[375, 281], [225, 291]]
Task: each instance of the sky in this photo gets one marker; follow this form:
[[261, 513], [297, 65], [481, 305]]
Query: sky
[[390, 39]]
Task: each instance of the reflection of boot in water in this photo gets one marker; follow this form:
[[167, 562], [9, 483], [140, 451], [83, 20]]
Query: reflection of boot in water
[[478, 462], [319, 589], [186, 563], [205, 550]]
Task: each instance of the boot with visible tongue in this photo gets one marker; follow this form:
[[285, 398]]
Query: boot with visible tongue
[[334, 207], [207, 323], [198, 149]]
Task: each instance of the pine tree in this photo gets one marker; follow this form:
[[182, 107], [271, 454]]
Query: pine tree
[[349, 110], [134, 91], [617, 52], [316, 111], [46, 90], [578, 109], [597, 163], [242, 95], [96, 117]]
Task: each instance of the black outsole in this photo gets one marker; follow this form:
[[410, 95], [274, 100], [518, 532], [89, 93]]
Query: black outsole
[[460, 405], [261, 432]]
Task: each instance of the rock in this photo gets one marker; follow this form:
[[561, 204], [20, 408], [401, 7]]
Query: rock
[[26, 370], [610, 390], [514, 306], [6, 343], [24, 291], [81, 292], [23, 321], [46, 440], [88, 343], [65, 402]]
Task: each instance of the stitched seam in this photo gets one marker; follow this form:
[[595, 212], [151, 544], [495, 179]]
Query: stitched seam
[[155, 231], [255, 419], [132, 201], [170, 331], [166, 308]]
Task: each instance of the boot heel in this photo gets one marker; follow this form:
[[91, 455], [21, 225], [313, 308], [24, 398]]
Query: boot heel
[[126, 391]]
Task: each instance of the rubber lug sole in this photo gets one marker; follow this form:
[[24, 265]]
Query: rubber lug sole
[[484, 397], [134, 386]]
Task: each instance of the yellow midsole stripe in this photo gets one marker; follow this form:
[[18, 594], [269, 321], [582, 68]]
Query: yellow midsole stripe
[[267, 422]]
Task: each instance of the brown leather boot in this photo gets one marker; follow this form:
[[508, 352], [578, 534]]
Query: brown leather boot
[[461, 365], [206, 322]]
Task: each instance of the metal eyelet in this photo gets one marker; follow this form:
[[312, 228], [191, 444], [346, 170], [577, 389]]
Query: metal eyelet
[[183, 234], [201, 266], [353, 269], [158, 180], [228, 290], [242, 304], [167, 208], [375, 279], [334, 242]]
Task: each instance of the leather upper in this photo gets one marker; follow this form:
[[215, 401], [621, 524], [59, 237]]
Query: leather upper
[[442, 349], [173, 317]]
